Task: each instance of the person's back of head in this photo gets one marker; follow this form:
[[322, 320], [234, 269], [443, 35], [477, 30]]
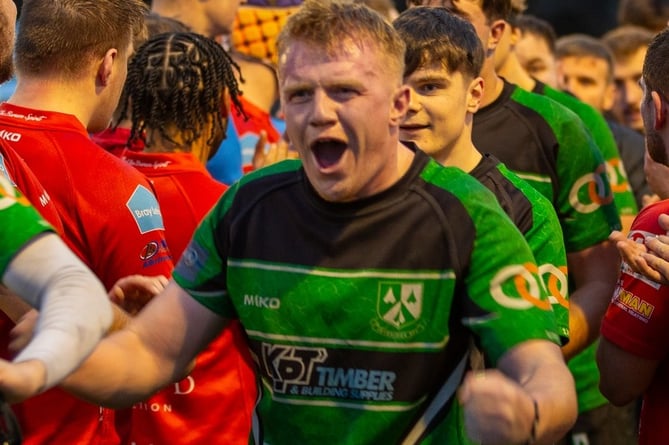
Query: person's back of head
[[492, 9], [61, 37], [175, 92], [624, 41], [331, 25], [158, 24], [650, 14], [7, 24], [433, 36]]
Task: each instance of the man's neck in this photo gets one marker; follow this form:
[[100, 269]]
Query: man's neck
[[55, 96]]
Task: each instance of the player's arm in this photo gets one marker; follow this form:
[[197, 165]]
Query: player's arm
[[594, 271], [74, 307], [500, 405], [155, 349], [624, 376]]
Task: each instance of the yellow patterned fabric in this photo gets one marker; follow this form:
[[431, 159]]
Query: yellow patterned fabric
[[256, 28]]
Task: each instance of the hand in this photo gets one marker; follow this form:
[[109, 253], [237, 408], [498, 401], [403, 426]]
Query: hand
[[134, 291], [262, 157], [497, 410], [19, 381], [22, 333]]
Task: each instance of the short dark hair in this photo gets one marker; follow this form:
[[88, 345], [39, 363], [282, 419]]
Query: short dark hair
[[435, 36], [538, 27], [656, 64], [492, 9]]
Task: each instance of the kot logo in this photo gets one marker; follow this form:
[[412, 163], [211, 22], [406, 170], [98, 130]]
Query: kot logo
[[400, 304]]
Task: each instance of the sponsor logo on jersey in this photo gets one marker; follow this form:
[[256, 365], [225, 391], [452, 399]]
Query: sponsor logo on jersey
[[399, 306], [262, 302], [10, 136], [590, 191], [555, 279], [519, 287], [617, 175], [298, 371], [26, 117], [633, 304], [192, 261], [154, 165], [145, 210]]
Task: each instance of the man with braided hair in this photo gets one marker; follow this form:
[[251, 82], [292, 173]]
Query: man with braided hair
[[177, 96], [70, 75]]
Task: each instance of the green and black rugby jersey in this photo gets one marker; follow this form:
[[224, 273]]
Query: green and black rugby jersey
[[547, 145], [360, 315], [535, 217], [603, 138]]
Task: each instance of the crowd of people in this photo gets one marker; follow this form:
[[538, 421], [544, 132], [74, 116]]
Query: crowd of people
[[441, 223]]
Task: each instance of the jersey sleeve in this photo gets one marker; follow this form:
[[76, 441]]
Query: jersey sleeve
[[508, 300], [547, 244], [585, 201], [638, 315], [20, 223], [201, 269], [620, 186]]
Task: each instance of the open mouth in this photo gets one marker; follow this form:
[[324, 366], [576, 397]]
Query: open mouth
[[328, 152]]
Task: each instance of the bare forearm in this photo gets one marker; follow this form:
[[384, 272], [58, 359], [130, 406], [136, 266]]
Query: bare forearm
[[120, 372], [586, 308], [593, 272]]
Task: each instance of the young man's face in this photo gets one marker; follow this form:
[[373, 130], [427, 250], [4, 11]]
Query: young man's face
[[627, 73], [536, 58], [342, 114], [586, 77], [438, 110]]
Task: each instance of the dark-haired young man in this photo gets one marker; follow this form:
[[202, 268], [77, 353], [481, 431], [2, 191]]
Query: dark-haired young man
[[548, 146]]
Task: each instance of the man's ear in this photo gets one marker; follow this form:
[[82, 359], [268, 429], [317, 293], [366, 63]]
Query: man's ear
[[400, 105], [474, 94], [660, 107], [497, 28], [106, 66]]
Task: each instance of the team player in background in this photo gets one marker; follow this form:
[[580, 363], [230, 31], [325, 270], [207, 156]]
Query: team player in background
[[548, 146], [175, 105], [445, 93], [387, 266], [69, 78]]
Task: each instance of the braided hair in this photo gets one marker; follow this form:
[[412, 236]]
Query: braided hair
[[175, 85]]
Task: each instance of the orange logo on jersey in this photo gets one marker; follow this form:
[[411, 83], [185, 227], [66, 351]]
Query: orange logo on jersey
[[590, 191], [617, 175], [519, 287]]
